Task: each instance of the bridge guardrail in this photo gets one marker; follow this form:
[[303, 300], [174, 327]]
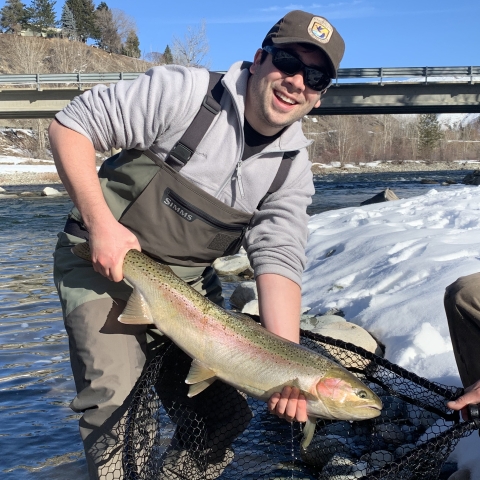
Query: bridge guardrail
[[424, 74], [76, 78]]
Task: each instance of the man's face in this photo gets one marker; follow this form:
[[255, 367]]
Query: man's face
[[276, 100]]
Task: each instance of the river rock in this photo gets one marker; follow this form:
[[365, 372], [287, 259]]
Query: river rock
[[10, 195], [251, 308], [463, 474], [385, 196], [49, 191], [27, 194], [311, 322], [2, 190], [428, 181], [380, 458], [351, 333], [322, 449], [243, 294], [472, 178], [233, 265]]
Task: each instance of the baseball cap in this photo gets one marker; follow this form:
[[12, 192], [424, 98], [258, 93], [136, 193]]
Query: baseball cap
[[298, 26]]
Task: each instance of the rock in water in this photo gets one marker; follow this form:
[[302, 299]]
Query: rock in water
[[472, 178], [385, 196], [49, 191]]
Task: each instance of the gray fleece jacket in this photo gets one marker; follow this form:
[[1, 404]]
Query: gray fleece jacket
[[153, 111]]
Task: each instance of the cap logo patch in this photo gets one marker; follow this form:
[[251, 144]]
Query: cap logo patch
[[320, 29]]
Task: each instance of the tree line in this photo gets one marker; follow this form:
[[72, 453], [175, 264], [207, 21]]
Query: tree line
[[111, 29], [365, 138]]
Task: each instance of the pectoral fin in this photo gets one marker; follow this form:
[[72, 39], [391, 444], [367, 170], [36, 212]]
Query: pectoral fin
[[137, 311], [308, 431], [199, 377]]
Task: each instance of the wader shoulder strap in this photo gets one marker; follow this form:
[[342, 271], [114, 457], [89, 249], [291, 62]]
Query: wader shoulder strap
[[281, 175], [186, 146]]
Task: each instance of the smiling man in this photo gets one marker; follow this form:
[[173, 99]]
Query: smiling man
[[206, 166]]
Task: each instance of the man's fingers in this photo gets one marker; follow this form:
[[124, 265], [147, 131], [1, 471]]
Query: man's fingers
[[272, 402], [289, 404]]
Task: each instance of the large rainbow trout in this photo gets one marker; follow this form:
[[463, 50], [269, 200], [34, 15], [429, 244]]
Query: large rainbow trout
[[234, 348]]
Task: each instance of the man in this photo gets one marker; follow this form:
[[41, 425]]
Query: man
[[246, 150], [462, 306]]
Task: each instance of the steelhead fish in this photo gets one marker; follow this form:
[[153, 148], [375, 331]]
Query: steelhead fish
[[236, 349]]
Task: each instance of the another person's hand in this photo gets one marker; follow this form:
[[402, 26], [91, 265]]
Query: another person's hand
[[109, 243], [289, 404], [471, 396]]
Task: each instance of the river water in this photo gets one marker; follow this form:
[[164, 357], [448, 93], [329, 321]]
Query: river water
[[38, 431]]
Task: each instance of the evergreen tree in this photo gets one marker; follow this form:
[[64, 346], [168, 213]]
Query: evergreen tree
[[13, 16], [429, 134], [131, 48], [84, 15], [42, 15], [167, 56], [67, 22], [108, 38]]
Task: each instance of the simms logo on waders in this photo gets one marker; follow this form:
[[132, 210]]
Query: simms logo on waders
[[169, 199]]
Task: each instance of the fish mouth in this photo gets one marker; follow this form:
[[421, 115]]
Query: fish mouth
[[374, 407], [369, 407]]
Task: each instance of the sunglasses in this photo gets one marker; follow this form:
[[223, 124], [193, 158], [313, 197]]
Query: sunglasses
[[290, 65]]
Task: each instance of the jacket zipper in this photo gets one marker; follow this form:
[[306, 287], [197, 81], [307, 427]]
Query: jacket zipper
[[239, 178], [205, 216]]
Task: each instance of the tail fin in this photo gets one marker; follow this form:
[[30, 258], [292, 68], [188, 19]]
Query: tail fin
[[82, 250]]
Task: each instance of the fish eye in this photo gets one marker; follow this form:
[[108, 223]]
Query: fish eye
[[362, 394]]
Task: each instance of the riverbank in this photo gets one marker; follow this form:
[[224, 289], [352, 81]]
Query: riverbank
[[390, 166], [40, 174], [28, 178]]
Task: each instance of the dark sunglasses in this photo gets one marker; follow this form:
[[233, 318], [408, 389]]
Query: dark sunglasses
[[290, 65]]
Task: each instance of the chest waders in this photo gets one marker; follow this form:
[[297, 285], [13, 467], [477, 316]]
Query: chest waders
[[179, 224], [175, 221]]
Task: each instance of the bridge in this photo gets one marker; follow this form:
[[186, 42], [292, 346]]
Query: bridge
[[357, 91]]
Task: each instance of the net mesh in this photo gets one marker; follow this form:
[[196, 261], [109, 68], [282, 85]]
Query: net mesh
[[221, 433]]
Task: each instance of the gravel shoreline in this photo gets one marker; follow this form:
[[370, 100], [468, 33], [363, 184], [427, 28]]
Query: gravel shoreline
[[28, 178], [410, 166], [32, 178]]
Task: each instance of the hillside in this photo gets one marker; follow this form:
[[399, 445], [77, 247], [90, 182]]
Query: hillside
[[27, 138], [55, 55]]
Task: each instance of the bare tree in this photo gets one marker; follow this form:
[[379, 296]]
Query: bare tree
[[28, 54], [124, 23], [155, 58], [67, 56], [193, 49], [344, 138]]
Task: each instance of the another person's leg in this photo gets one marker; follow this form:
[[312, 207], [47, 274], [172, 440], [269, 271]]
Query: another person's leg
[[462, 306]]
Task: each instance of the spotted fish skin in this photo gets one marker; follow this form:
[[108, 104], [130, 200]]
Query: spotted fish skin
[[234, 348]]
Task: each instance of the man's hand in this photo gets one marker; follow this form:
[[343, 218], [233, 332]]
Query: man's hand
[[290, 405], [471, 396], [109, 243], [279, 301]]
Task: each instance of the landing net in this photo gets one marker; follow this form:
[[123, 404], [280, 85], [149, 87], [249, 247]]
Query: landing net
[[223, 434]]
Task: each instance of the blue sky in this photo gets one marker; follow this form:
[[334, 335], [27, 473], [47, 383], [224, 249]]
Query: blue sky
[[378, 33]]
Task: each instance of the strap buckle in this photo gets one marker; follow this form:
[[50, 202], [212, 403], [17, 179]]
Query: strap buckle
[[211, 104], [181, 152]]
